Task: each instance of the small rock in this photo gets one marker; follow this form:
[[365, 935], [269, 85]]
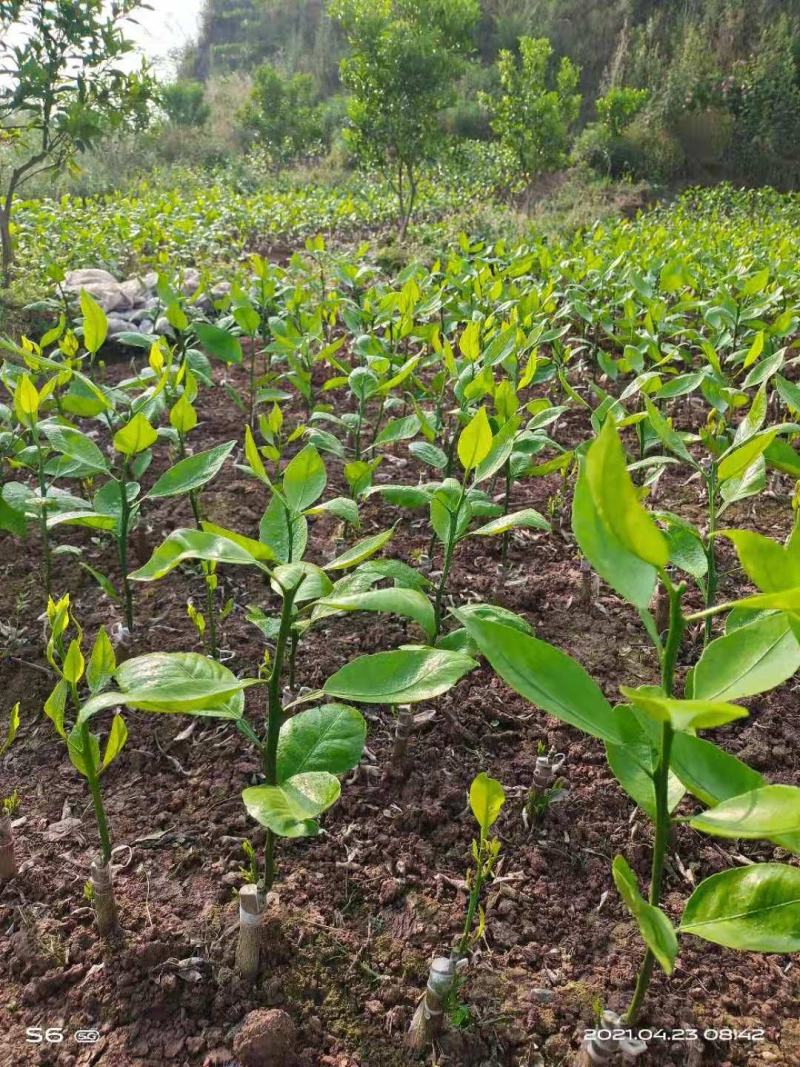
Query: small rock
[[266, 1039], [78, 279]]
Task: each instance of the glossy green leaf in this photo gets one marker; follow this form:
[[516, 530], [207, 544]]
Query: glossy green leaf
[[752, 909], [405, 676], [769, 812], [408, 603], [529, 519], [683, 714], [187, 544], [193, 472], [656, 929], [709, 772], [328, 738], [219, 343], [76, 446], [360, 551], [291, 809], [544, 675], [614, 532], [750, 660], [304, 479], [285, 534], [181, 682]]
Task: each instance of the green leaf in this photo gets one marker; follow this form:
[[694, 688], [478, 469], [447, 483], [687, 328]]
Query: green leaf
[[683, 714], [769, 565], [55, 705], [656, 929], [398, 430], [428, 454], [475, 441], [135, 437], [308, 581], [219, 343], [405, 676], [341, 506], [285, 535], [304, 479], [360, 551], [741, 459], [102, 662], [634, 764], [290, 809], [192, 544], [117, 736], [95, 323], [329, 738], [74, 665], [528, 519], [750, 660], [76, 446], [90, 519], [257, 549], [84, 762], [769, 812], [486, 798], [544, 675], [710, 773], [405, 602], [178, 682], [614, 532], [192, 472], [752, 909]]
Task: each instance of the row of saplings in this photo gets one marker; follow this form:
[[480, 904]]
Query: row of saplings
[[651, 739]]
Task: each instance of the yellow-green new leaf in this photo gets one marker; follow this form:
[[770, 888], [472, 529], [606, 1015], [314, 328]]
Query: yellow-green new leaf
[[684, 714], [95, 323], [475, 441], [74, 665], [615, 533], [486, 798], [137, 436], [117, 736], [11, 732], [102, 662]]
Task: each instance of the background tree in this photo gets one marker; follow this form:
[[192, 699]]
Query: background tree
[[404, 61], [61, 88], [531, 119], [184, 103], [283, 113]]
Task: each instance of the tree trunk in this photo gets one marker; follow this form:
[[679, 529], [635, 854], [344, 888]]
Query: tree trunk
[[7, 247]]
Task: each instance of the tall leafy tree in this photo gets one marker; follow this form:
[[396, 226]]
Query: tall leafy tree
[[533, 114], [405, 56], [61, 88]]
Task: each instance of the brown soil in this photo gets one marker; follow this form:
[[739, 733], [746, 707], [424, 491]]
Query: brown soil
[[367, 904]]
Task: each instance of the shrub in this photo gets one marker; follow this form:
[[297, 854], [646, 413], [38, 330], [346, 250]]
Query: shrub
[[184, 103], [283, 113], [530, 118]]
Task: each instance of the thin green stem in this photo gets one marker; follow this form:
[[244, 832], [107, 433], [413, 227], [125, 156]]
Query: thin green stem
[[663, 822], [274, 723], [123, 543], [45, 534]]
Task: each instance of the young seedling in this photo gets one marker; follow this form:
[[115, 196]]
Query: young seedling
[[651, 739], [65, 656], [486, 799]]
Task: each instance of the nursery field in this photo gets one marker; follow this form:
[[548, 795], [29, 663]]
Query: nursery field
[[352, 620]]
